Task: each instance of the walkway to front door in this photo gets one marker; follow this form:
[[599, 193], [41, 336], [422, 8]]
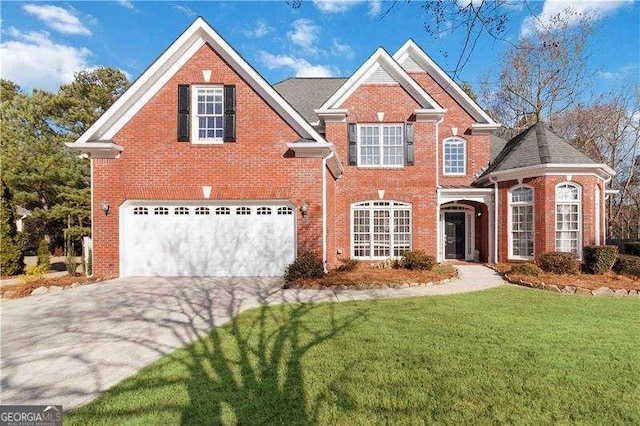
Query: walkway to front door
[[454, 234]]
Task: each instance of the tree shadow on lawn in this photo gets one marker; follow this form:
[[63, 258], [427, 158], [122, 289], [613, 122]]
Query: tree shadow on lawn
[[250, 371]]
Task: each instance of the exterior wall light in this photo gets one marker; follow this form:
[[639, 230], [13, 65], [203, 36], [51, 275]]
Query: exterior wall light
[[106, 208], [304, 209]]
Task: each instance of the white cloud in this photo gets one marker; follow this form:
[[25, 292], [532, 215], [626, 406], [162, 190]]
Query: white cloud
[[260, 30], [304, 34], [185, 10], [125, 3], [34, 61], [301, 67], [580, 10], [57, 18], [341, 6], [623, 72], [339, 49]]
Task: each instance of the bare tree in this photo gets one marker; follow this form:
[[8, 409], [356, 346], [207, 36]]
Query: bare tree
[[608, 131], [544, 73]]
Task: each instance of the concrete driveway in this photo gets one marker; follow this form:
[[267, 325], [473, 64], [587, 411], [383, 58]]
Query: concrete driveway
[[68, 347]]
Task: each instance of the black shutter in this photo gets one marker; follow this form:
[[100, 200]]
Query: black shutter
[[229, 114], [184, 102], [409, 151], [353, 148]]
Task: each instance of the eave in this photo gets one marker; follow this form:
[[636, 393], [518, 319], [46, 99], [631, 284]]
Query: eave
[[319, 150], [601, 170], [97, 149]]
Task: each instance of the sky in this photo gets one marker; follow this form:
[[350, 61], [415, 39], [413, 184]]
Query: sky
[[43, 43]]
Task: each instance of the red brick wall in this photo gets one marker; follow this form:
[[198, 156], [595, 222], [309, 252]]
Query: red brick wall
[[544, 211], [155, 166]]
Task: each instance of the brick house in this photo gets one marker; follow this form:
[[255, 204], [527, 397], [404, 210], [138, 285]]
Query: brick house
[[204, 168]]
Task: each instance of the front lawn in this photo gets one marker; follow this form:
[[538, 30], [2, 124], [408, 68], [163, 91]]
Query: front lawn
[[507, 355]]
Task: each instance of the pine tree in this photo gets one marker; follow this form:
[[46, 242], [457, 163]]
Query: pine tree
[[12, 252]]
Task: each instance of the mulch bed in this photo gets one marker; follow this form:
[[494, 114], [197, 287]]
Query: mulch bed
[[15, 291], [592, 282], [366, 277]]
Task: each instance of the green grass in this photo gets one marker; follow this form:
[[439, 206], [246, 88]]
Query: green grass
[[508, 355]]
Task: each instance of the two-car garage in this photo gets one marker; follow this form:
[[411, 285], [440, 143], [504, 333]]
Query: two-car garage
[[161, 238]]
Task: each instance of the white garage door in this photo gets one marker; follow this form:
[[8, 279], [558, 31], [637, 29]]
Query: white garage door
[[206, 239]]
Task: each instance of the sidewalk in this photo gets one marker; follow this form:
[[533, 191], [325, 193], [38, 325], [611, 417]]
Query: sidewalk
[[470, 278]]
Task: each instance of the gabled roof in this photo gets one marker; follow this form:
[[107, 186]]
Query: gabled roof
[[412, 58], [381, 61], [537, 147], [307, 94], [160, 72]]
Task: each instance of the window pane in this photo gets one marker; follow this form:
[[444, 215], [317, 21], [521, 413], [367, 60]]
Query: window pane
[[209, 113], [454, 156]]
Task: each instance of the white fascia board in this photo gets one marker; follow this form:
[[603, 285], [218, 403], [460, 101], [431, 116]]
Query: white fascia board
[[611, 191], [332, 114], [467, 190], [101, 149], [379, 58], [600, 170], [428, 115], [161, 71], [410, 48], [319, 150], [484, 128]]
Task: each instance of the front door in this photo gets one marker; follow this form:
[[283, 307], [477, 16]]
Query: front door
[[454, 229]]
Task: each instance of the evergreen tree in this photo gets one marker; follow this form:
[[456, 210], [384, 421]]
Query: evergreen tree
[[12, 253]]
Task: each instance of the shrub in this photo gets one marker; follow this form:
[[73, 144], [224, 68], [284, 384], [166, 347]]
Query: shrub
[[36, 270], [307, 265], [348, 265], [70, 260], [627, 264], [417, 259], [631, 247], [89, 270], [526, 269], [390, 263], [559, 262], [599, 259], [44, 256]]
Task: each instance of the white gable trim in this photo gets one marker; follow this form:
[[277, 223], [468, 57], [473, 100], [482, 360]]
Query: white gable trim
[[161, 71], [381, 58], [411, 50]]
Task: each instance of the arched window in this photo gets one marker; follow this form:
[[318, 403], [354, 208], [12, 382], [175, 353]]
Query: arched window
[[521, 223], [454, 157], [568, 211], [380, 229]]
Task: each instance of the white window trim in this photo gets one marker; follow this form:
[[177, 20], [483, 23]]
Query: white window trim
[[555, 215], [360, 206], [464, 144], [511, 256], [194, 115], [470, 229], [381, 126], [597, 215]]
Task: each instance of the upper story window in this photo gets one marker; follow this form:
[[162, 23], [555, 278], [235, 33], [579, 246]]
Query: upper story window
[[521, 223], [207, 125], [455, 156], [568, 211], [380, 145]]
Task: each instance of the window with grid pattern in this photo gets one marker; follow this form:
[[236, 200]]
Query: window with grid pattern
[[209, 114], [381, 229], [285, 210], [223, 211], [243, 210], [454, 156], [181, 210], [140, 210], [161, 211], [568, 218], [381, 145], [522, 225], [263, 210], [202, 211]]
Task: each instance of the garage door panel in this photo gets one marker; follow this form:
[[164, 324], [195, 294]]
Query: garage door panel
[[220, 243]]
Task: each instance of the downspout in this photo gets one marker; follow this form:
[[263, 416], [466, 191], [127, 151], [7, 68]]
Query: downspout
[[496, 225], [438, 233], [324, 209], [604, 209]]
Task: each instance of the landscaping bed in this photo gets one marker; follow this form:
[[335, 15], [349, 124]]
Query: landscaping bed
[[45, 285], [580, 280], [366, 276]]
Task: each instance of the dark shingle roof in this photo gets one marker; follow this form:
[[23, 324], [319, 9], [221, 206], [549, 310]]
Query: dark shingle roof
[[497, 145], [534, 146], [307, 94]]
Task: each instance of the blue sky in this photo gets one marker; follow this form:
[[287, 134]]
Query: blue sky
[[44, 43]]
